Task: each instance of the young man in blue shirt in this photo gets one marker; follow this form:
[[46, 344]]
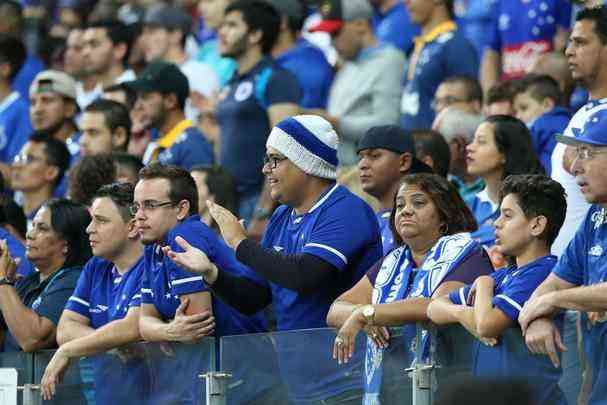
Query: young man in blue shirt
[[258, 96], [531, 214], [318, 244], [578, 280], [162, 90], [103, 311], [176, 306], [15, 124]]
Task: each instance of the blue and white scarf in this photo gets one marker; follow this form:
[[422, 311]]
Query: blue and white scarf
[[394, 282]]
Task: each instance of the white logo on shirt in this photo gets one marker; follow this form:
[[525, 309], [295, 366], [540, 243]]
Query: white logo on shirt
[[599, 218], [98, 309], [278, 248], [596, 250], [243, 91]]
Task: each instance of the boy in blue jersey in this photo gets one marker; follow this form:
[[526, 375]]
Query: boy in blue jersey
[[15, 124], [162, 90], [176, 306], [317, 245], [385, 154], [537, 104], [531, 214], [578, 280], [103, 311]]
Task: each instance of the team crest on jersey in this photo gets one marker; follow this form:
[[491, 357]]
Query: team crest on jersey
[[243, 91], [596, 250], [598, 218]]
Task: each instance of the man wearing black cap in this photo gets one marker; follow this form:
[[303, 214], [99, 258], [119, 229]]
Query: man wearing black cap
[[385, 154], [161, 94], [166, 29]]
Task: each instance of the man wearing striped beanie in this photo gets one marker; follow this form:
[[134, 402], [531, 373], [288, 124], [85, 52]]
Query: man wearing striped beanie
[[317, 245]]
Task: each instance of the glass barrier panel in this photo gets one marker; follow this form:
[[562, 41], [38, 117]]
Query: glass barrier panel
[[290, 367], [24, 364], [158, 373]]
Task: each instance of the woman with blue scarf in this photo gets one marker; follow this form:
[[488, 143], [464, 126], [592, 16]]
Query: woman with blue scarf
[[431, 225]]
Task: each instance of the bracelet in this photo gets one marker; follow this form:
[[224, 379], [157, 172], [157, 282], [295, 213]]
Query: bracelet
[[6, 281]]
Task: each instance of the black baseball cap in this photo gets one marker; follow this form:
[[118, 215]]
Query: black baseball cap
[[164, 78], [395, 139]]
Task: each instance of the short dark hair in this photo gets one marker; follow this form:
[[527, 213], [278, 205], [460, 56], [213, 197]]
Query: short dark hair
[[220, 184], [599, 16], [259, 15], [541, 87], [131, 161], [513, 140], [121, 195], [474, 91], [117, 32], [452, 210], [56, 151], [69, 220], [116, 115], [182, 185], [89, 175], [502, 91], [130, 94], [12, 51], [12, 214], [431, 143], [539, 195]]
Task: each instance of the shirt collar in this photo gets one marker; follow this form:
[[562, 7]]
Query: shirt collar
[[170, 137], [168, 238], [442, 28], [265, 61]]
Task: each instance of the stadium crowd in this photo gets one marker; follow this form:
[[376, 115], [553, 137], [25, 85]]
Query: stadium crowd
[[179, 169]]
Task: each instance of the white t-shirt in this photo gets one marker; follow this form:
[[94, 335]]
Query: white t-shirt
[[577, 207], [202, 79]]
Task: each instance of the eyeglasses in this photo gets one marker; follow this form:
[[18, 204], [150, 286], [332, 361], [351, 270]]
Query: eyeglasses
[[273, 160], [584, 153], [25, 159], [149, 205], [446, 101]]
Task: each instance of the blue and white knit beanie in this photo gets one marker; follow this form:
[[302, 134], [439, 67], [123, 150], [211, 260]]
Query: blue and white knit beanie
[[310, 142]]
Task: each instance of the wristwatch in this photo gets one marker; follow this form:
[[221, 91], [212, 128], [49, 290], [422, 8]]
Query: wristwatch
[[6, 281], [369, 314]]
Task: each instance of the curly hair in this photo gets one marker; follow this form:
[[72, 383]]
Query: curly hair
[[538, 195], [88, 175]]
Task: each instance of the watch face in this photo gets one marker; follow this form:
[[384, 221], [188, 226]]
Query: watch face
[[369, 311]]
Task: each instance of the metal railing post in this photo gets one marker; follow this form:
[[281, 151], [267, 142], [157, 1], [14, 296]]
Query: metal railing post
[[31, 394], [216, 387], [422, 372]]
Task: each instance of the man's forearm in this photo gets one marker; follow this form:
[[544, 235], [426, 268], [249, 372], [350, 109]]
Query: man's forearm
[[583, 298], [69, 330], [339, 312], [114, 334]]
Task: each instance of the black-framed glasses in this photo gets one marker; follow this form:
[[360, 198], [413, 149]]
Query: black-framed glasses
[[149, 205], [273, 160], [446, 101]]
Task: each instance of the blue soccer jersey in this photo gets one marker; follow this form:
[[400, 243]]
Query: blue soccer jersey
[[190, 148], [313, 72], [510, 357], [17, 250], [395, 27], [445, 53], [15, 127], [485, 212], [387, 238], [523, 30], [242, 114], [584, 262], [543, 130]]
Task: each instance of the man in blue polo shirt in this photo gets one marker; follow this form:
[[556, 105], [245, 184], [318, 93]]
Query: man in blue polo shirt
[[162, 90], [578, 280], [175, 305], [257, 97], [15, 124], [317, 244], [441, 51], [103, 311]]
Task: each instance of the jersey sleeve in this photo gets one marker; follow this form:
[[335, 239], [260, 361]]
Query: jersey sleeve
[[183, 282], [54, 299], [282, 87], [513, 297], [80, 301], [147, 296], [340, 234], [570, 266], [460, 296]]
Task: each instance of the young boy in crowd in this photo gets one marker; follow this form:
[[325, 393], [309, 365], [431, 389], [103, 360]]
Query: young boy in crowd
[[532, 212], [537, 103]]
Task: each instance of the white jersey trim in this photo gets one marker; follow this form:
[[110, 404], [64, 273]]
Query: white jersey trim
[[186, 280], [330, 249], [80, 301], [510, 301], [462, 297], [322, 200]]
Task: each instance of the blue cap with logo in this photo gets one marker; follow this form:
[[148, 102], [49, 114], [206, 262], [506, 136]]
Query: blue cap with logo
[[593, 133]]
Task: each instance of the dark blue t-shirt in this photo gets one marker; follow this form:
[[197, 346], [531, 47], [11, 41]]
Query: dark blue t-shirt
[[190, 149], [312, 70], [510, 357], [242, 114]]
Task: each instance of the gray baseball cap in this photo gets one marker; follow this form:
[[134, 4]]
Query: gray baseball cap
[[336, 12], [169, 17]]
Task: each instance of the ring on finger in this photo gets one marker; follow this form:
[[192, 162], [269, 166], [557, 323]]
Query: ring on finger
[[339, 341]]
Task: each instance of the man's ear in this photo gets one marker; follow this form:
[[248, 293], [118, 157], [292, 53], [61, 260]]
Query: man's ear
[[51, 173], [405, 161], [538, 225], [132, 232], [184, 210], [119, 139]]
